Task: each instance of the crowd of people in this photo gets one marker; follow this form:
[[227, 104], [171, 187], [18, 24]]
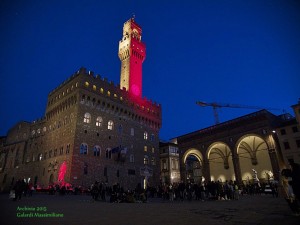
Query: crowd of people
[[228, 190], [101, 191], [21, 188]]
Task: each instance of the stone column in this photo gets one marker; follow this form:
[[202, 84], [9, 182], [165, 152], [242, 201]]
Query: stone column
[[206, 170], [237, 168]]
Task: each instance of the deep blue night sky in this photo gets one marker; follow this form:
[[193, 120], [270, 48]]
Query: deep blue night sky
[[238, 52]]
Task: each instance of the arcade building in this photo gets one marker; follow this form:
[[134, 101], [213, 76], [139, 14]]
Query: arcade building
[[92, 130], [253, 147]]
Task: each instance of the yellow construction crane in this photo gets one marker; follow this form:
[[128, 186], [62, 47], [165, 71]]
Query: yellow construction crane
[[215, 105]]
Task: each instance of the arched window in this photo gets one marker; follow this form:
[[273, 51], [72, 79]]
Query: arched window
[[99, 121], [110, 125], [108, 153], [146, 160], [145, 135], [97, 150], [83, 148], [87, 118]]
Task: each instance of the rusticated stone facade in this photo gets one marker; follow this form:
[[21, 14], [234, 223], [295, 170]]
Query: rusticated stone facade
[[92, 131], [86, 110]]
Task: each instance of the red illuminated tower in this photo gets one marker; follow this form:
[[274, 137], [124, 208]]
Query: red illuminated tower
[[132, 53]]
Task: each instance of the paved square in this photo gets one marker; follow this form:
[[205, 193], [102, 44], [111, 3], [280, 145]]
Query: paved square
[[80, 209]]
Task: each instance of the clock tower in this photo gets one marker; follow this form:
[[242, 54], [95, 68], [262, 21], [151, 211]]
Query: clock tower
[[132, 53]]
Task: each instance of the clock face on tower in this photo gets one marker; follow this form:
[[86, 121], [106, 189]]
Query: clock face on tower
[[135, 90]]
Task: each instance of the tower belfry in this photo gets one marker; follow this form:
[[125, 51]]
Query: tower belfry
[[132, 53]]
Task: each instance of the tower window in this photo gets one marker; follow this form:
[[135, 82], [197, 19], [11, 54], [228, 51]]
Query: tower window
[[146, 160], [87, 118], [99, 121], [110, 125], [84, 149], [145, 135], [97, 151]]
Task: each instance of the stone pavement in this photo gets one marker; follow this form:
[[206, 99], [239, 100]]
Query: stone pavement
[[249, 210]]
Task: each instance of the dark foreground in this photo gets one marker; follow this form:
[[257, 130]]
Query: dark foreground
[[73, 210]]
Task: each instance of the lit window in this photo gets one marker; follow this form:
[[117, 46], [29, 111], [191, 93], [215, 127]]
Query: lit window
[[145, 148], [83, 149], [97, 151], [40, 157], [108, 93], [99, 121], [86, 84], [115, 95], [145, 135], [153, 150], [146, 160], [94, 87], [110, 125], [101, 90], [87, 118]]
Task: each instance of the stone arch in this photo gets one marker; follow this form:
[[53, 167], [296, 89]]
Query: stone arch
[[221, 166], [193, 164], [194, 152], [253, 153]]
